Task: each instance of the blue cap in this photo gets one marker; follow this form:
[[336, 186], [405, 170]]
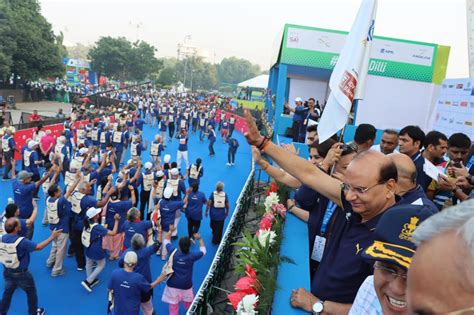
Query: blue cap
[[393, 241]]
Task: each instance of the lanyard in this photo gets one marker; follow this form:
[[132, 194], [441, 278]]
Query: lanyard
[[327, 216], [417, 157]]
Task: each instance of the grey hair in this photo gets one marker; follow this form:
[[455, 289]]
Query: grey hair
[[133, 214], [220, 186], [138, 241], [459, 218]]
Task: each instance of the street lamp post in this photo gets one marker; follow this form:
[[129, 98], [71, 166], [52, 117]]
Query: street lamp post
[[192, 74], [185, 61]]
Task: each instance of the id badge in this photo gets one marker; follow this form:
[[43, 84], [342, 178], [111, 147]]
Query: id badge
[[318, 248], [305, 122]]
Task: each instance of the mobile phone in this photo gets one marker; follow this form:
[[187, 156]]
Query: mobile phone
[[457, 164]]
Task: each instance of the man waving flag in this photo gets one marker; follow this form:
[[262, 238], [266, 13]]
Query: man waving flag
[[348, 77]]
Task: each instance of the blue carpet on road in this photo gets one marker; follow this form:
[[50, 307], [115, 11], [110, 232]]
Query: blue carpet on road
[[65, 295]]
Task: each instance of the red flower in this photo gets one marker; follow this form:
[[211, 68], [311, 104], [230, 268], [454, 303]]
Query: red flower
[[247, 285], [273, 188], [266, 223], [235, 298], [250, 272]]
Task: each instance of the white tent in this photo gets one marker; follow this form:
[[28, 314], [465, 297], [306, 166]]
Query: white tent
[[259, 82]]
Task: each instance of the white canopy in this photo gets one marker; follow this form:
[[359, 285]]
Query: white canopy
[[259, 82]]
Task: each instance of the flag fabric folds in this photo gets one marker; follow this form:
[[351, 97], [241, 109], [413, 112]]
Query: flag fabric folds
[[348, 78]]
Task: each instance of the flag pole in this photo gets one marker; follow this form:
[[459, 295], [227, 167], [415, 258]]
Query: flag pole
[[343, 130]]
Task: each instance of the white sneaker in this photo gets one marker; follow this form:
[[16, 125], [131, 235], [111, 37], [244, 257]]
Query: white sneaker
[[228, 164]]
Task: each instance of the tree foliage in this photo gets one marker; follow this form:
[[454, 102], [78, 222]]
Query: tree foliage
[[122, 60], [28, 46], [235, 70]]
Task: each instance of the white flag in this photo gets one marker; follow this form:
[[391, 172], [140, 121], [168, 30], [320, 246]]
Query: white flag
[[348, 77]]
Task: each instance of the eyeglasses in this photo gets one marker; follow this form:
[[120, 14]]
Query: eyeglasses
[[458, 312], [311, 138], [388, 273], [358, 190]]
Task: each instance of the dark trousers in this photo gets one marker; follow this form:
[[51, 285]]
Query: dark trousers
[[231, 130], [144, 199], [78, 248], [217, 226], [8, 163], [193, 227], [296, 130], [231, 155], [118, 157], [23, 280], [195, 124], [211, 146], [171, 130], [34, 179]]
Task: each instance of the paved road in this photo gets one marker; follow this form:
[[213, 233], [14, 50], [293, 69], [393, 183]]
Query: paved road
[[45, 108]]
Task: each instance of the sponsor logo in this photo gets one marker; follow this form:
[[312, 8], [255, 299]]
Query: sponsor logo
[[472, 104], [348, 85], [293, 38], [447, 103], [468, 123], [377, 66], [444, 86], [468, 84], [455, 103], [450, 86], [386, 51], [464, 104], [444, 119], [422, 54], [459, 122], [459, 86], [451, 120], [440, 102]]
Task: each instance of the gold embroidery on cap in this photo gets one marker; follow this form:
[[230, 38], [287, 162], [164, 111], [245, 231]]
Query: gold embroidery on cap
[[408, 229]]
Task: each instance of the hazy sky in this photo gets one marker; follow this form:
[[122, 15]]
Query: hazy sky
[[250, 28]]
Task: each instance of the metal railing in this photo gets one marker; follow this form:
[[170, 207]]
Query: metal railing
[[201, 303]]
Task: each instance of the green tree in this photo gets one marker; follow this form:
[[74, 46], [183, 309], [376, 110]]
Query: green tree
[[119, 59], [28, 46], [235, 70], [167, 75]]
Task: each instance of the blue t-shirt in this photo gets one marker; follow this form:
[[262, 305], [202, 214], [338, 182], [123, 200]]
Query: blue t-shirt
[[64, 207], [33, 168], [217, 214], [23, 228], [212, 135], [130, 228], [139, 123], [128, 288], [168, 210], [306, 197], [195, 202], [300, 113], [95, 250], [143, 260], [23, 250], [183, 143], [418, 196], [182, 277], [162, 125], [23, 197], [120, 207], [86, 203]]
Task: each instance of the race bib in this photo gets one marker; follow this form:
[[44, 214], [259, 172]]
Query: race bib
[[318, 248]]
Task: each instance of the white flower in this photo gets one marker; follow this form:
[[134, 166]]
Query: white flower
[[247, 305], [263, 235], [272, 199]]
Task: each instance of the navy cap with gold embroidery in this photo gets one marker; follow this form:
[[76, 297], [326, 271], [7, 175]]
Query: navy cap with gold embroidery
[[393, 241]]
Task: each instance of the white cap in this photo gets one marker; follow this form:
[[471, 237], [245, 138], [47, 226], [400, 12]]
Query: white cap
[[160, 174], [129, 162], [298, 99], [75, 165], [148, 165], [92, 212], [167, 158], [119, 110], [174, 171], [168, 192], [62, 138], [83, 151], [130, 258], [32, 143]]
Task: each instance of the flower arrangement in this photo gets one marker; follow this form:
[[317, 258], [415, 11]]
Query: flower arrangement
[[259, 258]]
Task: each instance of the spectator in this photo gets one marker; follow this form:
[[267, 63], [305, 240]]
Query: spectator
[[364, 137], [60, 113], [34, 117], [445, 255], [388, 143]]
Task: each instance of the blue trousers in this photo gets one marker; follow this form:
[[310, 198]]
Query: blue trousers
[[23, 280]]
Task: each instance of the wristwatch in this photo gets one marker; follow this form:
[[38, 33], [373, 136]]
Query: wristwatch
[[318, 307], [469, 179]]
